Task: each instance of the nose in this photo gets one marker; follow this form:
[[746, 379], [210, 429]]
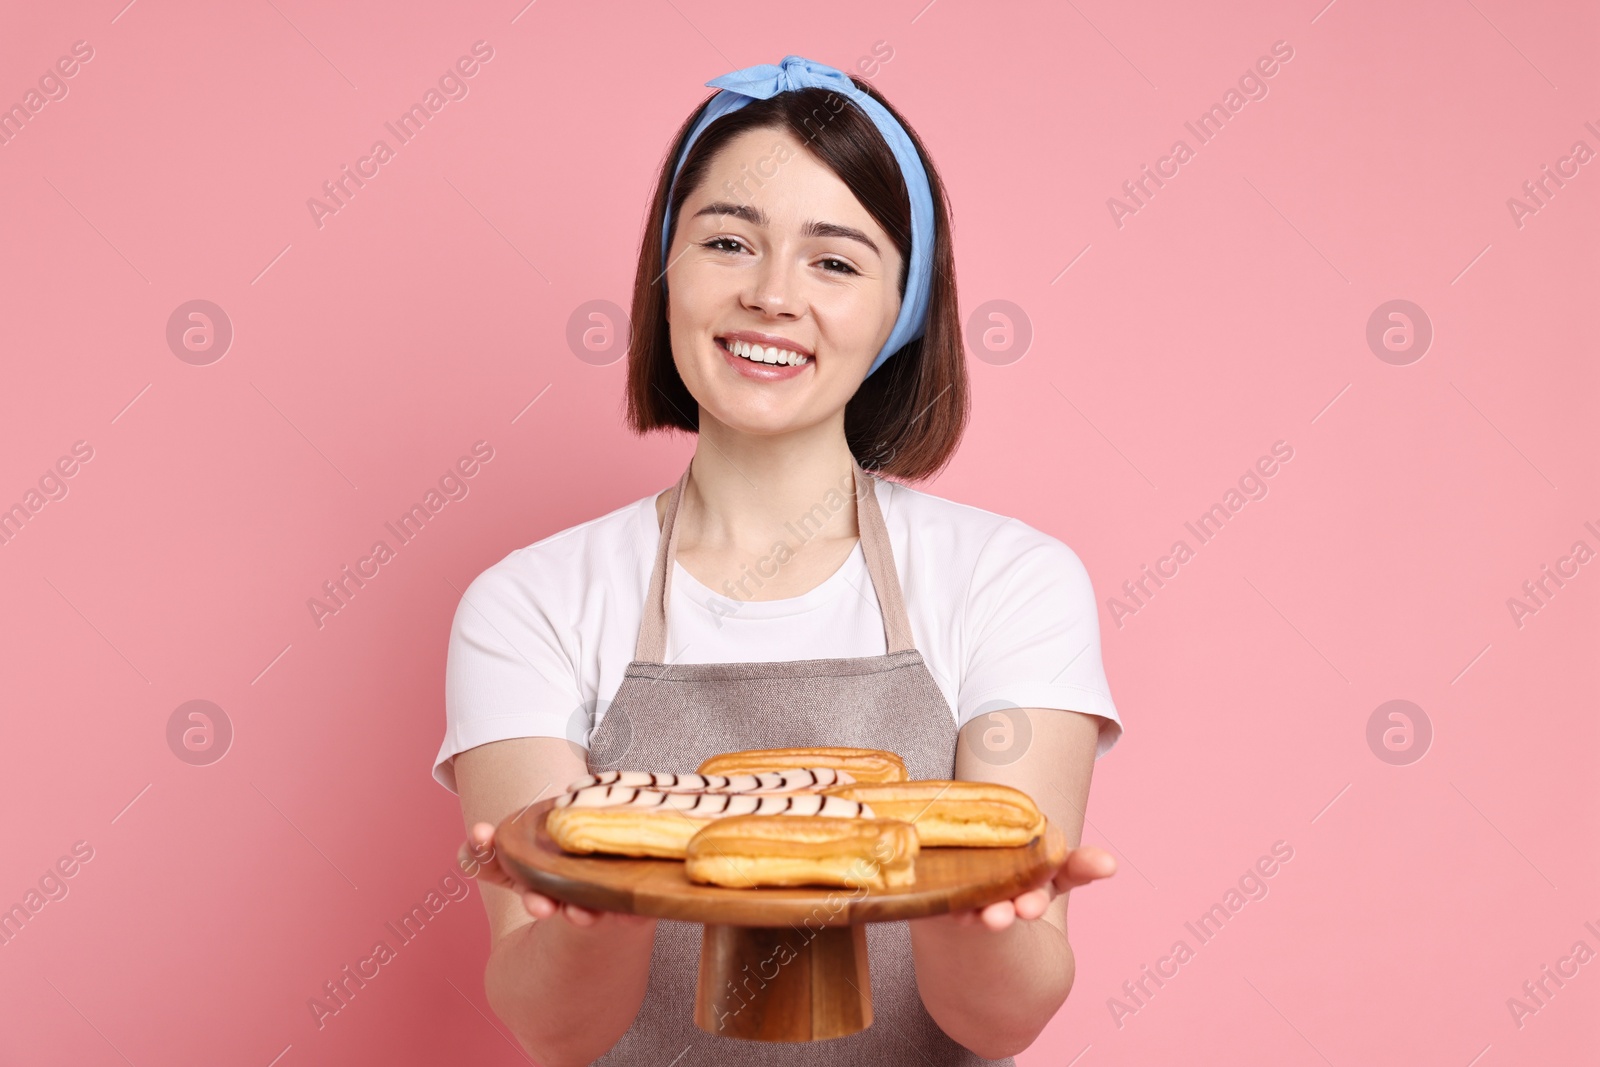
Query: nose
[[774, 288]]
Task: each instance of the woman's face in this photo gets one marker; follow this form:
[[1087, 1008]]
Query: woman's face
[[773, 247]]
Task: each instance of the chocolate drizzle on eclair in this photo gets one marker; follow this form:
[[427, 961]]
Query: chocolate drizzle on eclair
[[786, 781], [707, 805]]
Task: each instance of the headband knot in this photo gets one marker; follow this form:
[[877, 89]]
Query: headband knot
[[764, 81]]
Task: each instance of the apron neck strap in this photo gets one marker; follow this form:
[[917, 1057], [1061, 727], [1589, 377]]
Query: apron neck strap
[[652, 644]]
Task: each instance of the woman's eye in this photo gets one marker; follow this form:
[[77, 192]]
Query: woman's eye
[[733, 245]]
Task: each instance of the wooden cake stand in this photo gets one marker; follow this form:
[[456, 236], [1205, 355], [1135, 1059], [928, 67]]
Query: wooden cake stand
[[776, 964]]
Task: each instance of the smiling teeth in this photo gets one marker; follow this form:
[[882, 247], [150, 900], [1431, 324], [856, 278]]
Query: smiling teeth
[[766, 353]]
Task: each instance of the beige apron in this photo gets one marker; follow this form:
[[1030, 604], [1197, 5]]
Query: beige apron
[[670, 717]]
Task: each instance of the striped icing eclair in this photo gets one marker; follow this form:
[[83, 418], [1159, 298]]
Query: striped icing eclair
[[799, 780], [958, 813], [629, 821], [863, 764], [745, 851]]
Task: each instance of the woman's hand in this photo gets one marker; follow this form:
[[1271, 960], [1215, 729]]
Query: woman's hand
[[478, 859], [1082, 866]]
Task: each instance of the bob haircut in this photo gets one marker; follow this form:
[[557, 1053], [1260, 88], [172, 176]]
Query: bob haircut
[[906, 419]]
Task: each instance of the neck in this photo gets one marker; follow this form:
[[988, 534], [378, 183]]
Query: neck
[[745, 490]]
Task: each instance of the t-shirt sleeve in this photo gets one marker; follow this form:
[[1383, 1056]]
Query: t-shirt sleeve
[[1033, 638], [507, 673]]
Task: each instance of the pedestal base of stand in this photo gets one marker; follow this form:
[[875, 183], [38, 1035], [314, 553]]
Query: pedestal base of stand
[[781, 983]]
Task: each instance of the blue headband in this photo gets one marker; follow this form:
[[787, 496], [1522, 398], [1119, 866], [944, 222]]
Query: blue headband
[[764, 81]]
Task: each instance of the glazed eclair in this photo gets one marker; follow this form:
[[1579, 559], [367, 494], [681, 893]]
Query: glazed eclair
[[757, 850], [629, 821], [863, 764], [953, 813]]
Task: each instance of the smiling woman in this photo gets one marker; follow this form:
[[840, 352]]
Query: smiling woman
[[808, 150], [795, 308]]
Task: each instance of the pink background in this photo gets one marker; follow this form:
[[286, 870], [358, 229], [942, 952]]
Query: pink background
[[1230, 312]]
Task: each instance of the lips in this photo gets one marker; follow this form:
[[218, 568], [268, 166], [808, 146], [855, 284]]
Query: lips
[[762, 363], [769, 353]]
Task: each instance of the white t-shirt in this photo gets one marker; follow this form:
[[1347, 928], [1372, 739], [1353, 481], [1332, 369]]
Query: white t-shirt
[[1003, 615]]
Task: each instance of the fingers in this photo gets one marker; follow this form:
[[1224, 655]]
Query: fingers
[[969, 917], [1033, 903], [542, 907], [1000, 914], [476, 858], [587, 917], [476, 855], [467, 860], [538, 905], [479, 844], [1084, 865]]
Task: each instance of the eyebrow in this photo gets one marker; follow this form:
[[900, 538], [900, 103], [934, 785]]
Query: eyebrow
[[757, 217]]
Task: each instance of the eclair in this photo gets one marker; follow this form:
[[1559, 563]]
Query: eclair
[[863, 764], [798, 780], [629, 821], [755, 850], [959, 813]]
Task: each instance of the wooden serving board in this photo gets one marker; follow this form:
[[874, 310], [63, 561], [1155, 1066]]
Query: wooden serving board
[[948, 879], [820, 985]]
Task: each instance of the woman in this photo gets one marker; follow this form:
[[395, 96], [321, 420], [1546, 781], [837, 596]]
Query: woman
[[795, 307]]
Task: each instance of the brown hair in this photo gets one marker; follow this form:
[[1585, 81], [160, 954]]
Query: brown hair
[[906, 419]]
